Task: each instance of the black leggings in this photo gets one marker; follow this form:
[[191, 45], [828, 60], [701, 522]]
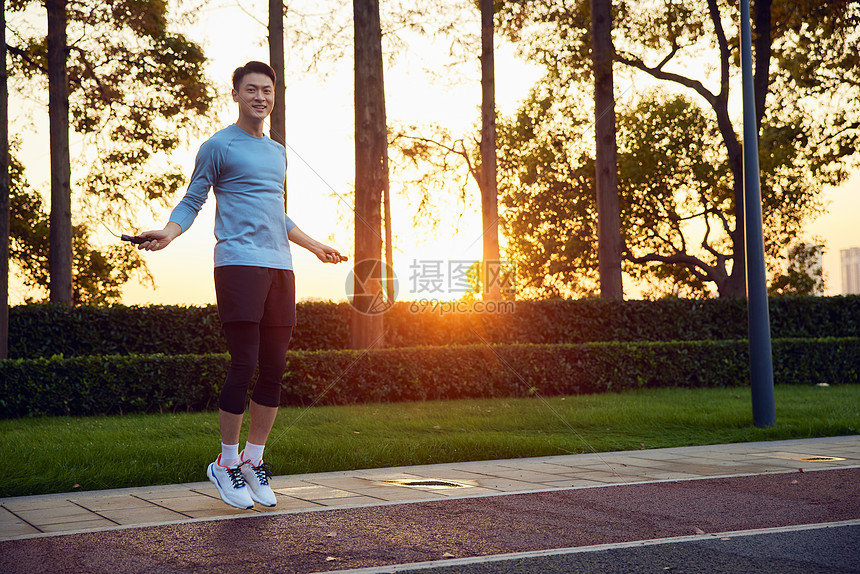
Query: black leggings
[[249, 344]]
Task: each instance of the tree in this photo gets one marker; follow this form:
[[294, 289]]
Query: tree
[[804, 59], [97, 275], [136, 89], [804, 275], [676, 184], [430, 161], [487, 177], [323, 38], [278, 117], [61, 194], [371, 174], [606, 180], [435, 154], [546, 178]]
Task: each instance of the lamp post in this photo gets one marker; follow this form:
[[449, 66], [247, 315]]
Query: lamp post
[[761, 358]]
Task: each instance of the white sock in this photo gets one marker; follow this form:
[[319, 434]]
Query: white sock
[[254, 453], [229, 454]]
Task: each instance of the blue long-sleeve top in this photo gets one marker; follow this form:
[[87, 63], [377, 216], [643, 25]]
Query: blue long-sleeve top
[[247, 174]]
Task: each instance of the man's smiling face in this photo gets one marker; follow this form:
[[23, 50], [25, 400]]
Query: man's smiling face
[[256, 96]]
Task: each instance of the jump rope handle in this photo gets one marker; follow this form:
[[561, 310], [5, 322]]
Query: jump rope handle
[[135, 239]]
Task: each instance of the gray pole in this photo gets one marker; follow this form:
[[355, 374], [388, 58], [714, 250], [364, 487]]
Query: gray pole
[[761, 360]]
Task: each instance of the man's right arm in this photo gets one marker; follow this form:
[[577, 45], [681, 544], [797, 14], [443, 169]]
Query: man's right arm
[[207, 166], [205, 175]]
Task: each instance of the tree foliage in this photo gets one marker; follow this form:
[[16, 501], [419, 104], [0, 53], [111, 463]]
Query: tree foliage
[[675, 185], [803, 275], [98, 275], [321, 33], [430, 167], [546, 181], [682, 189], [137, 90]]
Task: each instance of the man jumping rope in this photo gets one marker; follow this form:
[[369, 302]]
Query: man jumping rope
[[254, 281]]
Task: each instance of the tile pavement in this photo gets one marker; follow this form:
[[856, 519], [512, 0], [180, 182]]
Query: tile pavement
[[30, 516]]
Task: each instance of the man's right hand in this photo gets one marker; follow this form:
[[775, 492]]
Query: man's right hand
[[159, 239]]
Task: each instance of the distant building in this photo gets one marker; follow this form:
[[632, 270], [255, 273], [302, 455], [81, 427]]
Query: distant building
[[850, 271]]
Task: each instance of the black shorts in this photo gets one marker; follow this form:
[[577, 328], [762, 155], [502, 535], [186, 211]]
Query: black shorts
[[256, 294]]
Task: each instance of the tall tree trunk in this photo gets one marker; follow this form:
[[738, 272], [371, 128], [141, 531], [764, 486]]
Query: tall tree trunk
[[606, 176], [60, 236], [762, 52], [5, 181], [389, 254], [278, 118], [371, 174], [736, 282], [488, 178]]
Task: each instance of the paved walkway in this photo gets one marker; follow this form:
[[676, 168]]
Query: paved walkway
[[40, 516]]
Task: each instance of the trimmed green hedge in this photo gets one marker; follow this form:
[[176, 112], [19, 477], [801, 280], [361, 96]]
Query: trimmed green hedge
[[111, 384], [121, 384], [47, 330]]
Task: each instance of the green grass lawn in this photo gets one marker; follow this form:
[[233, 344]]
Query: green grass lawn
[[63, 454]]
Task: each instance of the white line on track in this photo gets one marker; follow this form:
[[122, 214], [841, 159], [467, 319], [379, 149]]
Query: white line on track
[[417, 566]]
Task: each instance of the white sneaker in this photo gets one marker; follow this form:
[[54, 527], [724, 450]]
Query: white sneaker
[[230, 482], [257, 479]]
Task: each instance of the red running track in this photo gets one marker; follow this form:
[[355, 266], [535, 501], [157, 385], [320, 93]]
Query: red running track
[[360, 537]]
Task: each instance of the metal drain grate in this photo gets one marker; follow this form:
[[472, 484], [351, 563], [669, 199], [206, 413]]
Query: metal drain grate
[[818, 458], [427, 483]]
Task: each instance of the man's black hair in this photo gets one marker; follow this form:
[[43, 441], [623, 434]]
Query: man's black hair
[[252, 67]]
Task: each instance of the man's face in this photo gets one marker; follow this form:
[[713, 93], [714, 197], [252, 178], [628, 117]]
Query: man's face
[[256, 96]]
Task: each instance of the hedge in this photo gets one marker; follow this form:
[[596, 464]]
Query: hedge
[[122, 384], [46, 330]]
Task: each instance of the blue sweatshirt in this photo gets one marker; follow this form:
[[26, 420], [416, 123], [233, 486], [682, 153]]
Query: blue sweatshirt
[[247, 174]]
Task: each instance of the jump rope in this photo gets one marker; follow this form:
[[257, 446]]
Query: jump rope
[[137, 240]]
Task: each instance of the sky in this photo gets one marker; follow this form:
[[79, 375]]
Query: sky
[[321, 167]]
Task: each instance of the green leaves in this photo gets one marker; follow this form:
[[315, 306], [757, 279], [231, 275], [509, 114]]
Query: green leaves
[[545, 185], [680, 171], [98, 275], [137, 89], [144, 17]]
